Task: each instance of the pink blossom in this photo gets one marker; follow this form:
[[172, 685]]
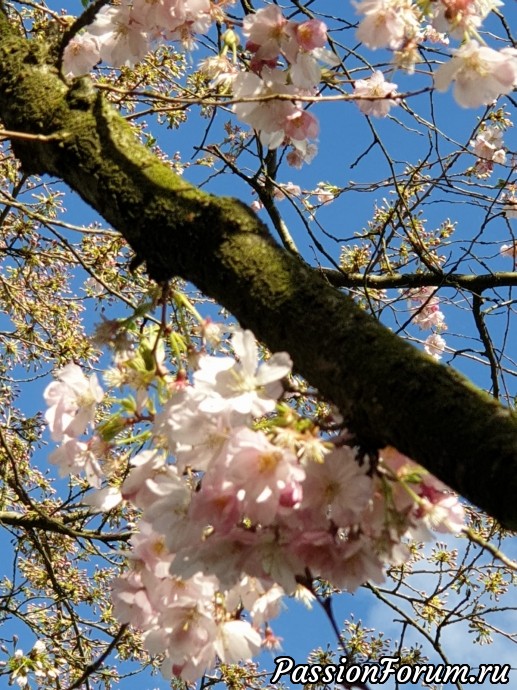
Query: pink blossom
[[425, 305], [130, 601], [189, 17], [72, 401], [324, 196], [439, 509], [225, 558], [263, 604], [480, 73], [337, 488], [264, 477], [236, 641], [461, 17], [386, 23], [346, 560], [139, 486], [305, 72], [286, 190], [176, 19], [79, 57], [103, 500], [300, 155], [246, 386], [122, 39], [378, 91], [434, 345], [186, 630], [311, 34], [270, 117], [193, 436], [269, 34], [489, 144], [510, 205], [149, 547], [301, 125]]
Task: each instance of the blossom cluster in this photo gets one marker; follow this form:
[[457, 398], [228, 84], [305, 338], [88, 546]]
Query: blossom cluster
[[424, 304], [72, 401], [480, 73], [123, 34], [489, 148], [242, 502], [272, 40], [281, 63]]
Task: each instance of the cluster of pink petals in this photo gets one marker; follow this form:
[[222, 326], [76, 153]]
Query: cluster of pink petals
[[480, 74], [72, 402], [272, 37], [424, 303], [434, 345], [510, 204], [460, 18], [436, 508], [387, 23], [122, 34], [374, 96], [489, 148], [233, 518], [279, 121]]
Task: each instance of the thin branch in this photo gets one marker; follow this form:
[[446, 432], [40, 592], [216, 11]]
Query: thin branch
[[468, 281], [487, 342], [95, 666], [48, 524]]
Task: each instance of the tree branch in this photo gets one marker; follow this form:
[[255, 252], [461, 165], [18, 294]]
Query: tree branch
[[468, 281], [388, 392]]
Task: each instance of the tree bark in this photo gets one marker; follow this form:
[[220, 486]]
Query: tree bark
[[388, 392]]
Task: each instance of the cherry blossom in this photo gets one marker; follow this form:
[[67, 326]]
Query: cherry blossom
[[311, 34], [489, 148], [510, 205], [462, 17], [264, 477], [277, 121], [122, 39], [236, 640], [386, 23], [74, 457], [480, 74], [79, 57], [72, 401], [434, 345], [244, 386], [425, 305], [510, 251], [304, 152], [379, 92], [337, 488], [233, 516], [269, 34]]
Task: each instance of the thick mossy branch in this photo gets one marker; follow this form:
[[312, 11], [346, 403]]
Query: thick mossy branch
[[389, 392]]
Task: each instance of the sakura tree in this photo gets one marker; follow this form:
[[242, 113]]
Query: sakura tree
[[173, 480]]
